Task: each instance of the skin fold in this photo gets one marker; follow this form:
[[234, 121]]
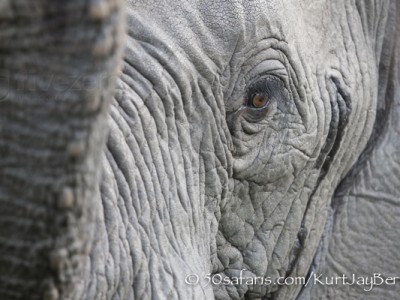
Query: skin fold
[[133, 155]]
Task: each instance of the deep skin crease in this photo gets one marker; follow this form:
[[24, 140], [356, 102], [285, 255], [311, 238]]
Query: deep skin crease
[[165, 163]]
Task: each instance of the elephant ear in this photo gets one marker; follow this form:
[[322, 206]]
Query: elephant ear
[[361, 236]]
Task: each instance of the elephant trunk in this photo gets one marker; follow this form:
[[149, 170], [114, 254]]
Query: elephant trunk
[[56, 61]]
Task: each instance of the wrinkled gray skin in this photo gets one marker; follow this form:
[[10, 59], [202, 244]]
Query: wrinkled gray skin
[[121, 177]]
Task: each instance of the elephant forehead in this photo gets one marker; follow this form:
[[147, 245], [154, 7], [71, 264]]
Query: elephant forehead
[[219, 27]]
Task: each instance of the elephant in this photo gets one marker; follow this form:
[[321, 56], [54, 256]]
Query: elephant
[[216, 149]]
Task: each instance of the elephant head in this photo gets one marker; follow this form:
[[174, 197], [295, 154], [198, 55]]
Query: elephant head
[[192, 149]]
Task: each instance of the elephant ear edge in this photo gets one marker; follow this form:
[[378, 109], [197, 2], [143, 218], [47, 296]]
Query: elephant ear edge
[[367, 199]]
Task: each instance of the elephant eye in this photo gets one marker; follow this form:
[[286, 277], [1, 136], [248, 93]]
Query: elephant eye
[[262, 96], [259, 100]]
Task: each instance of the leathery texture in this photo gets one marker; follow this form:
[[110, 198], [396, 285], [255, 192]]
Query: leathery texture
[[132, 183]]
